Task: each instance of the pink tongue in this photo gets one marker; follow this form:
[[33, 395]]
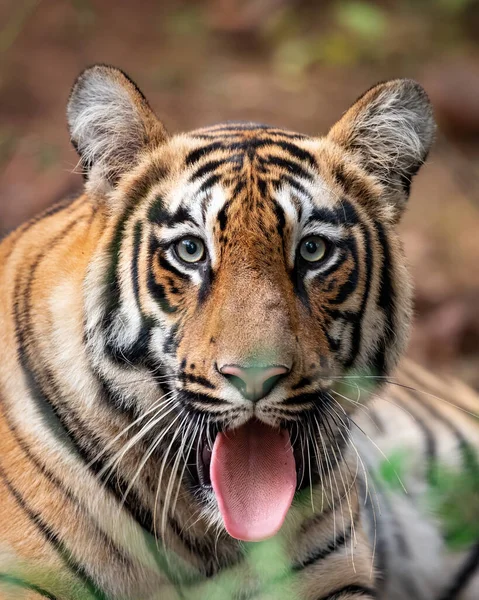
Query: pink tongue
[[254, 478]]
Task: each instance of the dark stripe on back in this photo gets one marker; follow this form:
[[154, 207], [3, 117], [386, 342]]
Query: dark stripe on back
[[429, 437], [463, 577], [12, 580], [321, 553], [52, 537], [53, 479], [344, 592]]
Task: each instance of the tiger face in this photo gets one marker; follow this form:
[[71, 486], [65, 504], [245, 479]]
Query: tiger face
[[245, 271]]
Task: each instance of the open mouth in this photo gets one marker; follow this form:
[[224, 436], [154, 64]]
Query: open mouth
[[254, 472]]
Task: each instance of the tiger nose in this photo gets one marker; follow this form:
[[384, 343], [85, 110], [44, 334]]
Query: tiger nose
[[253, 383]]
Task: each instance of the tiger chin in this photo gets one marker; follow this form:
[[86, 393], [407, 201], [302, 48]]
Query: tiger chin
[[183, 344]]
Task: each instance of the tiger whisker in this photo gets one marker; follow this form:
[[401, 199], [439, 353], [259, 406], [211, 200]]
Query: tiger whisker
[[155, 406], [162, 469], [360, 461], [112, 464], [331, 437], [174, 472], [145, 459]]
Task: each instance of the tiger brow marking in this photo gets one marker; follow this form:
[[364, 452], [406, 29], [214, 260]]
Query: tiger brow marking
[[297, 152], [195, 155], [288, 165], [344, 214]]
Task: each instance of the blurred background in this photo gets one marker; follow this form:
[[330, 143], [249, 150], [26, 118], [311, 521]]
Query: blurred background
[[292, 63]]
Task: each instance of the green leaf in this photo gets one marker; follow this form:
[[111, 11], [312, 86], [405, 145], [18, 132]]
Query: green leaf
[[362, 18]]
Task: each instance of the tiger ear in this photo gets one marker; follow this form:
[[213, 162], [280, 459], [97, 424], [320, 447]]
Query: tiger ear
[[110, 123], [389, 130]]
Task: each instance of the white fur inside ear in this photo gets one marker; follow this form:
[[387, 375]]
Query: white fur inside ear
[[395, 134], [389, 131], [105, 125]]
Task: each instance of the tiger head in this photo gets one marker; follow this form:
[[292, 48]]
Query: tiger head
[[246, 271]]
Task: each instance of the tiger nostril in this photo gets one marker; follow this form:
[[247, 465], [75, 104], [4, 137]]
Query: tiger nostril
[[253, 383], [238, 383]]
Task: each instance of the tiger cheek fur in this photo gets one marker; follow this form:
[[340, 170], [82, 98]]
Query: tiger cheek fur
[[205, 284]]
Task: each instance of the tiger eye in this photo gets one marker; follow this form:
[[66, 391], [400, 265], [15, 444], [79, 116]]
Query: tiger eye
[[190, 250], [313, 248]]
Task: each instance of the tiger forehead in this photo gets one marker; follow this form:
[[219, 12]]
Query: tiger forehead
[[246, 143], [251, 162]]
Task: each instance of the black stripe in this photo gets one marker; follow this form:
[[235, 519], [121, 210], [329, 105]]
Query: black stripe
[[321, 553], [137, 191], [49, 212], [167, 266], [279, 212], [376, 525], [226, 133], [289, 166], [351, 283], [206, 284], [464, 575], [196, 379], [209, 183], [295, 185], [53, 479], [137, 353], [112, 294], [159, 293], [386, 301], [135, 260], [52, 537], [12, 580], [223, 215], [297, 152], [344, 214], [196, 155], [357, 325], [429, 437], [157, 290], [156, 211], [172, 340], [355, 590], [207, 168]]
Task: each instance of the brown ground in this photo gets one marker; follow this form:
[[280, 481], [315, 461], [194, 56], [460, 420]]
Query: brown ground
[[294, 64]]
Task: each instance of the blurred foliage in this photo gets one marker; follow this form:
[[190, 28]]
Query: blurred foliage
[[451, 495], [14, 26], [8, 143], [349, 33]]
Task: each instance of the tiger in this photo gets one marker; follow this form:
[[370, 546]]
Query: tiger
[[203, 389]]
